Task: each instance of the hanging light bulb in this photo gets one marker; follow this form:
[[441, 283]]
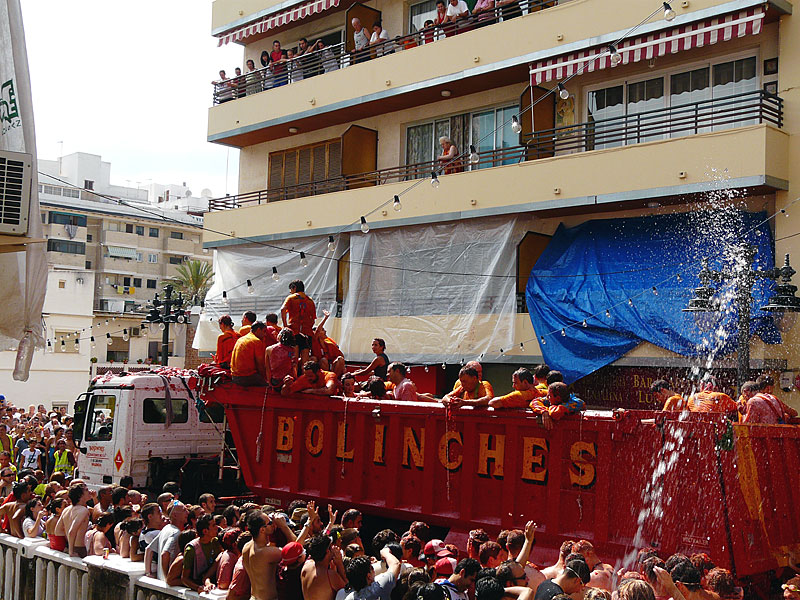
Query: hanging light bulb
[[250, 289], [474, 157], [444, 366], [180, 318], [679, 278], [630, 301], [109, 341], [125, 336], [63, 346], [784, 212], [144, 327], [563, 92], [113, 318], [584, 324], [501, 350], [224, 295], [522, 345], [434, 180], [106, 321], [655, 291], [616, 57], [542, 340], [608, 314], [77, 345], [563, 332], [396, 204], [92, 343], [303, 260], [331, 244], [364, 225], [426, 368], [162, 326], [68, 335], [669, 14], [49, 345], [275, 275], [515, 124]]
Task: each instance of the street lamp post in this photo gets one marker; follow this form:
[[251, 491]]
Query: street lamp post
[[170, 310], [744, 277]]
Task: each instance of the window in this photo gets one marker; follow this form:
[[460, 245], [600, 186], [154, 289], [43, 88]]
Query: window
[[100, 418], [112, 226], [66, 246], [117, 355], [154, 410], [88, 184], [138, 257], [70, 193], [88, 265], [605, 104], [214, 413], [139, 230], [128, 228], [62, 284], [60, 218], [152, 258], [305, 164], [151, 284], [176, 235], [419, 13], [44, 215], [154, 232], [137, 282], [126, 281], [89, 237], [176, 260]]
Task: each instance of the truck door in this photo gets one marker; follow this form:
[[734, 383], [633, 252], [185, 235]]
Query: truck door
[[100, 463]]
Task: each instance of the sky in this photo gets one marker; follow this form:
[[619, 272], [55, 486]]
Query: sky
[[131, 82]]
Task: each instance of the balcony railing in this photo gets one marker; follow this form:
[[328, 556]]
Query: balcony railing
[[331, 58], [676, 121]]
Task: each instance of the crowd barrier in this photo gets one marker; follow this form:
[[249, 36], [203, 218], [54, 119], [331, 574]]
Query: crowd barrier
[[30, 570]]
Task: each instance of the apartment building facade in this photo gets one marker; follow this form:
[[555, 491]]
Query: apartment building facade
[[562, 113]]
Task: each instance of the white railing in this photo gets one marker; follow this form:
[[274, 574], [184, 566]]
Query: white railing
[[60, 576], [148, 588]]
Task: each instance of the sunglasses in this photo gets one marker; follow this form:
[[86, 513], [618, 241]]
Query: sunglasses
[[791, 587]]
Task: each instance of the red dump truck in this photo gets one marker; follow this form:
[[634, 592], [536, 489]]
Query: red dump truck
[[621, 479]]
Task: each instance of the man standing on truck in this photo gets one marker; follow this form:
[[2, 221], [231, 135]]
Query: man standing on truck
[[299, 313], [76, 519], [247, 361], [260, 558]]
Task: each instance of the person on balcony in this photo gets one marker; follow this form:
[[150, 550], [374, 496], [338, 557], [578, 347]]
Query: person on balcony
[[225, 342], [509, 9], [237, 83], [279, 68], [327, 58], [428, 32], [448, 159], [361, 41], [222, 88], [294, 66], [379, 38], [441, 18], [252, 79], [456, 15], [484, 12], [266, 73]]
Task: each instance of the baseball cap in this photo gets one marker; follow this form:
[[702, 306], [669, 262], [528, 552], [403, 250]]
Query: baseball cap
[[290, 553], [579, 568], [445, 566], [438, 548]]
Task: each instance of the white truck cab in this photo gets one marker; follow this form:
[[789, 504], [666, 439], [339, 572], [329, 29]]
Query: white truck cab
[[135, 425]]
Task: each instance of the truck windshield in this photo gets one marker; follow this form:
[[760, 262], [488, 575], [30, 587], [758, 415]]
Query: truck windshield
[[100, 418]]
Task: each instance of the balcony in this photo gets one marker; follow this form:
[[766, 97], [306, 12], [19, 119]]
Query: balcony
[[120, 238], [177, 246], [673, 123]]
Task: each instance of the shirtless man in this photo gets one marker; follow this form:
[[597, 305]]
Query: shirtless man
[[103, 502], [76, 519], [554, 570], [323, 574], [602, 573], [15, 510], [260, 558]]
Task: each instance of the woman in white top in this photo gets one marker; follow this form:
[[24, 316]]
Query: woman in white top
[[34, 514], [379, 37]]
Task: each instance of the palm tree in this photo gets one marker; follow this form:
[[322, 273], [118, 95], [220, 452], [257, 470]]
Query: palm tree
[[193, 279]]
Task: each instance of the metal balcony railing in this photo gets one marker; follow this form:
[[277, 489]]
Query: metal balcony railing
[[739, 110], [324, 59]]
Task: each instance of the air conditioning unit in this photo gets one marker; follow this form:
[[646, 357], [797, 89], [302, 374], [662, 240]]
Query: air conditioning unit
[[15, 192]]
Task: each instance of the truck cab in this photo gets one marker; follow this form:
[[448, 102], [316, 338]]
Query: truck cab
[[146, 426]]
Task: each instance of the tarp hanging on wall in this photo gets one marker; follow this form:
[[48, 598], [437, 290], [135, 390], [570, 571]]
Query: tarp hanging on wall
[[600, 264]]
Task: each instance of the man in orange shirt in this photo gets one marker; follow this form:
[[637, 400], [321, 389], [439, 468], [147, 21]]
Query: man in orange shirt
[[558, 404], [247, 362], [540, 375], [469, 390], [225, 342], [248, 319], [325, 350], [479, 368], [671, 400], [271, 320], [524, 391], [299, 313], [313, 381], [708, 399]]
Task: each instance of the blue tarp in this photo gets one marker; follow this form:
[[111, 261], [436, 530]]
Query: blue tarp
[[600, 264]]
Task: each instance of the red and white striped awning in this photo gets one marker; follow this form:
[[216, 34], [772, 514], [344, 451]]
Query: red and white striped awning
[[301, 11], [646, 47]]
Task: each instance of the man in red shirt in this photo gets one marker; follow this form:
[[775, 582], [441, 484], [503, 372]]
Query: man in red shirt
[[313, 381], [299, 313]]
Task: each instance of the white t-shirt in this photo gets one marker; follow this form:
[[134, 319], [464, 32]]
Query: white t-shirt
[[361, 39], [458, 9], [166, 541], [383, 36], [28, 523], [30, 458]]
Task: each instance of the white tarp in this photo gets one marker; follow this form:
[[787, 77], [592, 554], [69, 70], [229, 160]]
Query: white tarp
[[24, 273], [439, 292]]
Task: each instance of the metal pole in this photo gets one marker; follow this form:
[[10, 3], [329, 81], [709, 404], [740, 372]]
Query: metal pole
[[165, 316]]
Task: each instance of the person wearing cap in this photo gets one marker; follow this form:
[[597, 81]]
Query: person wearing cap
[[571, 580], [462, 577], [324, 574], [444, 568], [292, 558], [434, 550]]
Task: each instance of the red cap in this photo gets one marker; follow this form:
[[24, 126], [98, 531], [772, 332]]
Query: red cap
[[445, 566], [290, 553], [437, 547]]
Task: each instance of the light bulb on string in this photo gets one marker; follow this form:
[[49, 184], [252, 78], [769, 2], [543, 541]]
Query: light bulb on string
[[501, 350], [92, 343], [331, 244], [250, 288], [49, 345], [125, 336], [224, 295], [303, 260], [77, 345], [106, 321], [426, 368], [542, 340], [109, 341], [396, 204], [584, 324], [679, 278], [434, 180], [364, 225], [68, 335], [630, 301], [616, 57], [784, 212], [669, 14], [563, 92], [63, 346], [655, 291], [275, 275], [522, 345], [608, 314], [162, 326], [113, 318], [516, 127], [563, 332], [444, 365], [474, 157]]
